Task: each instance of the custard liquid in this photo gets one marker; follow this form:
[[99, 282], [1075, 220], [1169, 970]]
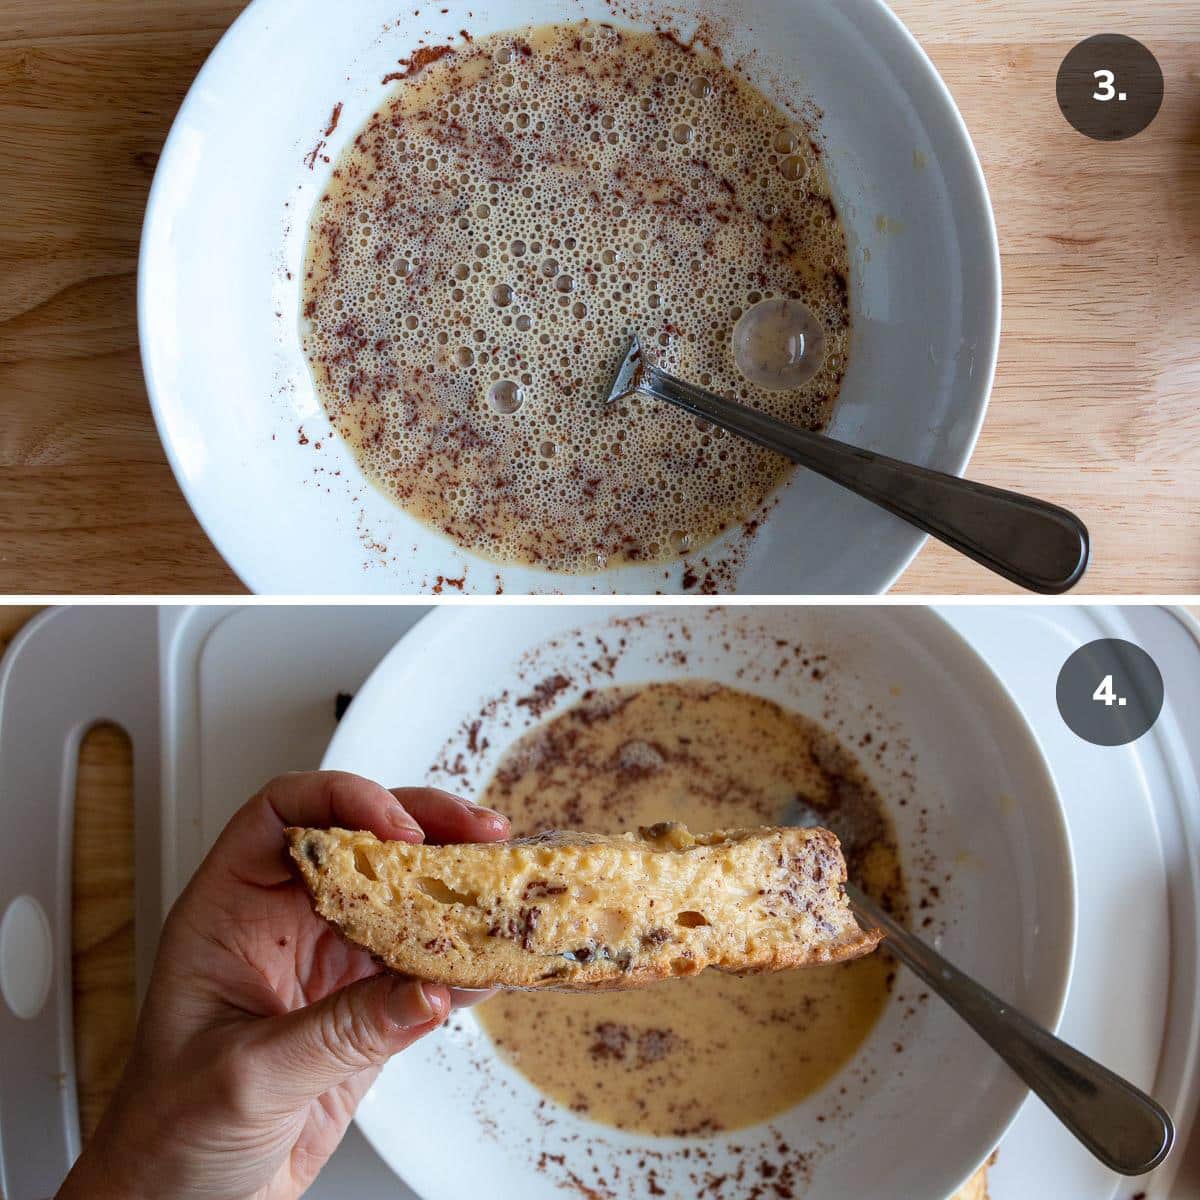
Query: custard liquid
[[487, 246], [715, 1051]]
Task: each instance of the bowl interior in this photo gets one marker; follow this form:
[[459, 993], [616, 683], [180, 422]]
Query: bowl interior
[[924, 1100], [225, 235]]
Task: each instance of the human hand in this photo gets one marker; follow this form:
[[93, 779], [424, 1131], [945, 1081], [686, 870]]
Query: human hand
[[262, 1028]]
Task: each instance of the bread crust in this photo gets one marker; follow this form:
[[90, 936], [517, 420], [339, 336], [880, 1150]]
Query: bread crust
[[586, 912]]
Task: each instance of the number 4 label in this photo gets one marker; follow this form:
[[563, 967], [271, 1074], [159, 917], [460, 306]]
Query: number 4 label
[[1105, 694]]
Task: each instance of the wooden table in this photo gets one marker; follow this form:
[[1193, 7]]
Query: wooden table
[[1094, 402], [1093, 406]]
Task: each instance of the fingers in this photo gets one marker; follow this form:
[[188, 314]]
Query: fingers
[[252, 845], [304, 1053], [323, 798], [446, 818]]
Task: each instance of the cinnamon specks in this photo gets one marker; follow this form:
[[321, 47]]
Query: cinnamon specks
[[543, 696], [420, 58]]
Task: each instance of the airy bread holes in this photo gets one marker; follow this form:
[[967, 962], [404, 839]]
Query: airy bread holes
[[691, 920], [435, 889], [363, 864]]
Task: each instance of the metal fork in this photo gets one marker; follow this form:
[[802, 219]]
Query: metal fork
[[1032, 543], [1123, 1127]]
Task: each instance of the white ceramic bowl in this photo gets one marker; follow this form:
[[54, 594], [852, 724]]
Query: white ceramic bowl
[[218, 290], [926, 1100]]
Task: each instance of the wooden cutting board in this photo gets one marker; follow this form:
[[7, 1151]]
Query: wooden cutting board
[[1094, 403]]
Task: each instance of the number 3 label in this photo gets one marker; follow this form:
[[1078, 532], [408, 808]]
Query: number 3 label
[[1107, 91], [1109, 87]]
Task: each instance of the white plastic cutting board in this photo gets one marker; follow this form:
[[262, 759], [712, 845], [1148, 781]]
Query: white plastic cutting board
[[67, 670]]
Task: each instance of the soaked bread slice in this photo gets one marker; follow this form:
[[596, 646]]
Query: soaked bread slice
[[577, 911]]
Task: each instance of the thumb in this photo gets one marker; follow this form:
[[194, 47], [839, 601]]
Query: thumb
[[307, 1052]]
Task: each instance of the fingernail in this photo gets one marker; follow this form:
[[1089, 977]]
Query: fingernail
[[400, 819], [477, 810], [467, 997], [437, 997], [410, 1005]]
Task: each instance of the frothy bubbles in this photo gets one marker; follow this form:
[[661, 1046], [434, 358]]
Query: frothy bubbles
[[491, 240], [505, 396], [778, 345]]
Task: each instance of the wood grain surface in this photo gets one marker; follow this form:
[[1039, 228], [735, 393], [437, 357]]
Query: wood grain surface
[[1100, 243], [1094, 403], [102, 948]]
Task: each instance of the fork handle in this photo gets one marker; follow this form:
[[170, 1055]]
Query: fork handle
[[1032, 543], [1123, 1127]]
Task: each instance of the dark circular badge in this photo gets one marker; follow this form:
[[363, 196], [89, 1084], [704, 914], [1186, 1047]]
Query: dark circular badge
[[1110, 87], [1110, 692]]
